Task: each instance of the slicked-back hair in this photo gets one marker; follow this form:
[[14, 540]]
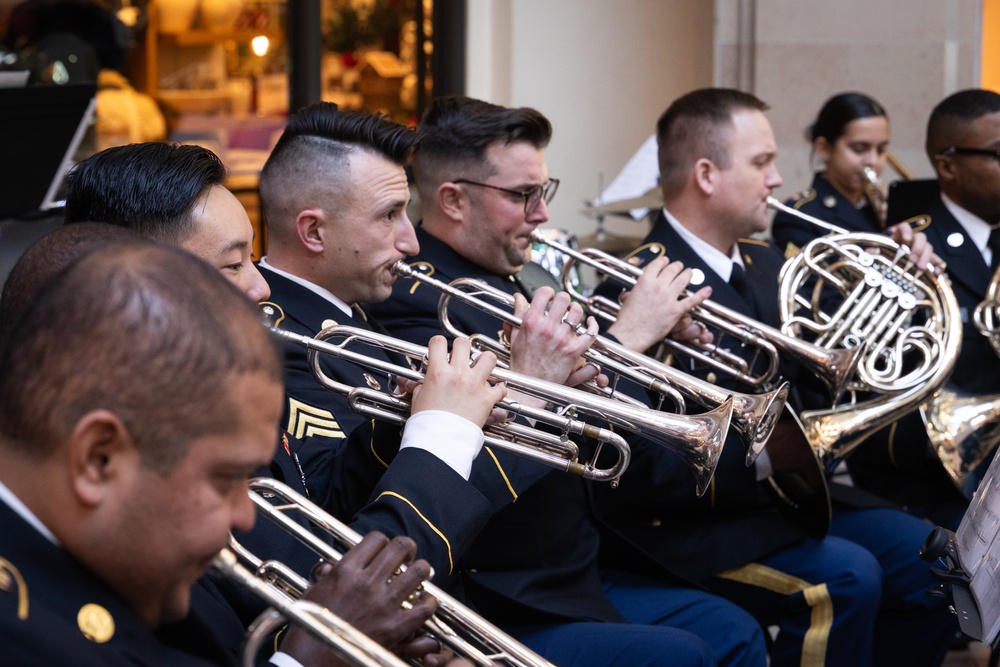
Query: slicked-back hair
[[456, 132], [955, 112], [310, 164], [148, 332], [151, 188], [838, 111], [50, 255], [699, 125]]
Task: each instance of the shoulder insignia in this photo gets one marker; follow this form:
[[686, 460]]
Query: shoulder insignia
[[305, 420], [918, 223], [756, 242], [272, 312], [655, 249], [791, 250], [95, 623], [803, 197], [11, 581], [423, 267]]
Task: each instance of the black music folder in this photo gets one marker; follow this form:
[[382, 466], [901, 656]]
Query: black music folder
[[41, 128], [910, 198]]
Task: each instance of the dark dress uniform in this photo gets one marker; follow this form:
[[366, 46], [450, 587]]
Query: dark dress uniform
[[897, 462], [351, 465], [533, 569], [824, 593], [54, 611]]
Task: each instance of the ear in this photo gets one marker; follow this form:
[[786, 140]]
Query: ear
[[453, 201], [101, 452], [945, 168], [706, 176], [309, 229], [823, 149]]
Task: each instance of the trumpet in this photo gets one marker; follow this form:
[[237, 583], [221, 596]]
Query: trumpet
[[833, 367], [753, 416], [347, 642], [697, 439], [907, 319], [875, 194], [475, 638]]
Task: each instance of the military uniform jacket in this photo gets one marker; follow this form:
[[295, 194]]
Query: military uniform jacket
[[53, 611], [655, 507], [827, 203], [352, 466], [535, 562]]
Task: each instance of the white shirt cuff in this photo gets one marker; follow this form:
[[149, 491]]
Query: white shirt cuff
[[453, 439], [280, 659]]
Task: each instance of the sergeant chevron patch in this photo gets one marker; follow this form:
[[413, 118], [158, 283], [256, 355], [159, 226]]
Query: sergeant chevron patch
[[305, 420]]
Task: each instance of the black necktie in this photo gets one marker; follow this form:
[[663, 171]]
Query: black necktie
[[738, 281], [994, 245]]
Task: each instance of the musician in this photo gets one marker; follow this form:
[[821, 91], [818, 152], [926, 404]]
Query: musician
[[850, 132], [117, 490], [483, 181], [855, 596]]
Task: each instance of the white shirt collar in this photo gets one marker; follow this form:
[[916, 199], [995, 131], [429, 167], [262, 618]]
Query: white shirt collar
[[8, 498], [977, 228], [325, 293], [717, 260]]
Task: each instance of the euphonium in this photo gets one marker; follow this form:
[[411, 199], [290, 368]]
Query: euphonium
[[906, 318], [753, 416], [347, 642], [697, 439], [469, 635], [833, 367]]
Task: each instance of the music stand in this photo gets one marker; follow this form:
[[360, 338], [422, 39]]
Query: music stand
[[42, 127]]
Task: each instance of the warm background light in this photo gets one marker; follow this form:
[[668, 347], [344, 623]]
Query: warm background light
[[259, 45], [991, 45]]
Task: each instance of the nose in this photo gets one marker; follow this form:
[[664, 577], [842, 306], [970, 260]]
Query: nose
[[406, 237], [540, 215], [243, 511], [256, 287], [774, 180]]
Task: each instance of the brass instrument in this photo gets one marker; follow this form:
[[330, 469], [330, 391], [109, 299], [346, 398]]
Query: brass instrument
[[697, 439], [875, 194], [480, 642], [347, 642], [907, 318], [986, 316], [833, 367], [753, 416], [952, 420]]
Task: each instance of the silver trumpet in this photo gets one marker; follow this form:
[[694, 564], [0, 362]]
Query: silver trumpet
[[697, 439], [454, 625], [833, 367], [753, 415], [347, 642]]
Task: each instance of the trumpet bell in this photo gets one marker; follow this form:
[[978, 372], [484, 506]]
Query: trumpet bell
[[963, 430]]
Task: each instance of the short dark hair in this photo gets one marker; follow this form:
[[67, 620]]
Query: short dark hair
[[698, 125], [838, 111], [311, 159], [953, 113], [148, 187], [456, 132], [50, 255], [128, 328]]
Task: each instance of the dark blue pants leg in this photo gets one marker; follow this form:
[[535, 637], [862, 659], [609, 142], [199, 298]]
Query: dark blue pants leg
[[735, 636], [912, 628], [615, 645], [822, 594]]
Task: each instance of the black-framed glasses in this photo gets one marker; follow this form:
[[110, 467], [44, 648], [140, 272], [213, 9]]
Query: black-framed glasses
[[532, 196], [963, 150]]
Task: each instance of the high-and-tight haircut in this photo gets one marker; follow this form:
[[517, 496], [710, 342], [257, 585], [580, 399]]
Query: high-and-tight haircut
[[310, 164], [151, 188], [695, 126], [954, 113], [147, 332], [456, 132]]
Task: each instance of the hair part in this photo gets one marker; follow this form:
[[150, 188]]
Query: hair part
[[126, 329], [699, 125], [310, 164], [954, 113], [457, 131], [151, 188]]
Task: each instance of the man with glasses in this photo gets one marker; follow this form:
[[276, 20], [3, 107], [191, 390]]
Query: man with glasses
[[963, 145], [484, 187]]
